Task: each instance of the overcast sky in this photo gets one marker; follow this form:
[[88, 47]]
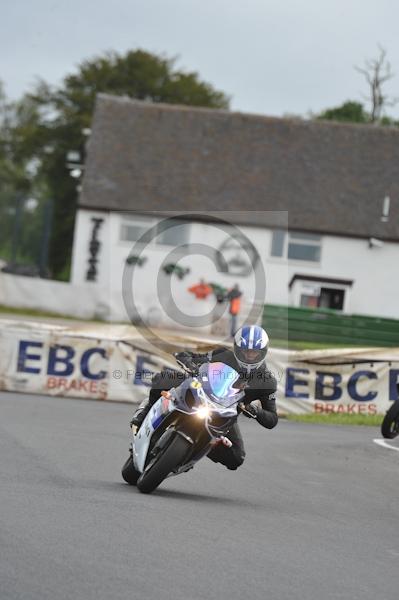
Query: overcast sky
[[272, 57]]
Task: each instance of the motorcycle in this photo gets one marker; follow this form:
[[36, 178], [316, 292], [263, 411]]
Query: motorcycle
[[184, 424], [390, 424]]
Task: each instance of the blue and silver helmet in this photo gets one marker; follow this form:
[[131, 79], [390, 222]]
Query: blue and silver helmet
[[251, 344]]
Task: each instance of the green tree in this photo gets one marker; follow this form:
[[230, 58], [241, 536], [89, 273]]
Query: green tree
[[377, 72], [51, 122], [15, 182], [350, 112]]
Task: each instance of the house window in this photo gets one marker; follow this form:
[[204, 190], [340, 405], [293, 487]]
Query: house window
[[175, 236], [309, 301], [133, 228], [296, 245]]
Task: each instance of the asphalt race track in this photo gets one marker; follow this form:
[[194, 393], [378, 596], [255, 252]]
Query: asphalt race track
[[312, 514]]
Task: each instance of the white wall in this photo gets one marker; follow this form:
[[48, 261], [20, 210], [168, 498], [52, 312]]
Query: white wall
[[373, 270], [61, 298], [80, 252], [145, 280]]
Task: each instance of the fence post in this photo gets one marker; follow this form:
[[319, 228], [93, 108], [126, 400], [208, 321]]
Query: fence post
[[44, 246]]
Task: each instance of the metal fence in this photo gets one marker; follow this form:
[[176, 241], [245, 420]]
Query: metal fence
[[328, 326]]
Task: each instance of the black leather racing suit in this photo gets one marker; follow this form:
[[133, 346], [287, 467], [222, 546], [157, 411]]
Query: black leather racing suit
[[261, 385]]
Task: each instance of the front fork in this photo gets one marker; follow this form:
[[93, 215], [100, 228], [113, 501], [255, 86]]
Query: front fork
[[215, 441]]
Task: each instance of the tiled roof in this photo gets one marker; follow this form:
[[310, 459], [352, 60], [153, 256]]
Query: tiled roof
[[330, 177]]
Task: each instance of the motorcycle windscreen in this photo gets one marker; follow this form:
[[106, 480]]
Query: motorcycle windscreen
[[217, 380]]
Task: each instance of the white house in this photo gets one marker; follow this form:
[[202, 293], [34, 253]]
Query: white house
[[299, 213]]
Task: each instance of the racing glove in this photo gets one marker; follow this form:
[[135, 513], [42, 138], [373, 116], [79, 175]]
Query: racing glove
[[188, 360], [250, 408]]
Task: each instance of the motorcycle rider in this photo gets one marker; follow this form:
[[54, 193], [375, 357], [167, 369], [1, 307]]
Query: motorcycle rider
[[248, 358]]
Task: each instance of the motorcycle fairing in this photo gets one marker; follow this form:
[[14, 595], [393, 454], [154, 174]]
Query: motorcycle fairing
[[162, 407], [218, 380]]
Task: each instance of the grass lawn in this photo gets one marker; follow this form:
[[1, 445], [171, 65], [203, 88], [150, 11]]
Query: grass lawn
[[33, 313], [297, 345], [339, 419]]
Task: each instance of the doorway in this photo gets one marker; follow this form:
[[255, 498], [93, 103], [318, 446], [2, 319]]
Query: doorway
[[331, 298]]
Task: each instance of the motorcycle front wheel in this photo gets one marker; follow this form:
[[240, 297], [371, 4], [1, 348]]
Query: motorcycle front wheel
[[129, 473], [164, 463], [390, 424]]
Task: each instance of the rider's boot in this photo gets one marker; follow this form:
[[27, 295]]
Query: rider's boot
[[145, 406], [140, 414]]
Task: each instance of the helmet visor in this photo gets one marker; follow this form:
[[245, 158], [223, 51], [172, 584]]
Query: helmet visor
[[250, 357]]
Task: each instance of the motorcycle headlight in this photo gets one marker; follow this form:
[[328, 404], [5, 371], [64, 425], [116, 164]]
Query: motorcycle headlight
[[203, 412]]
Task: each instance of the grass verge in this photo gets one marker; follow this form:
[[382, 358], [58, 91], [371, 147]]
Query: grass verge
[[339, 419], [275, 343], [298, 345], [33, 313]]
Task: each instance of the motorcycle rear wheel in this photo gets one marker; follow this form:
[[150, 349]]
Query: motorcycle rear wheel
[[169, 458], [390, 424]]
